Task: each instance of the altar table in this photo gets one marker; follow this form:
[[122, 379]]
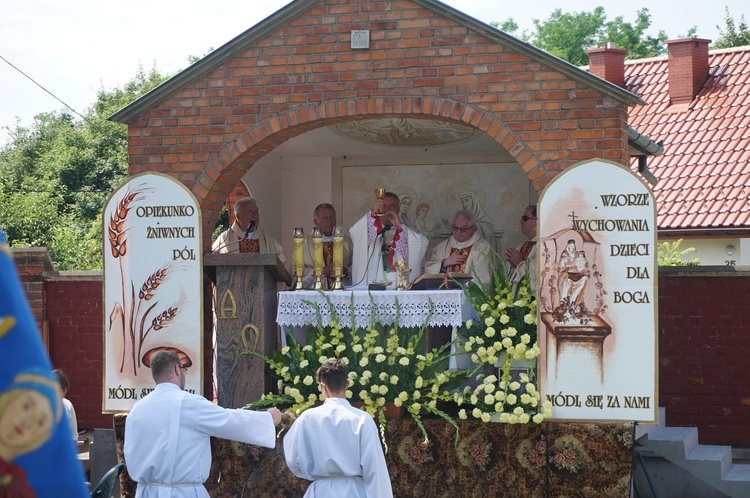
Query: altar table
[[450, 308]]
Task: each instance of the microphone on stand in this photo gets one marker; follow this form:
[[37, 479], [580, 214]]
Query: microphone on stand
[[250, 228], [384, 229]]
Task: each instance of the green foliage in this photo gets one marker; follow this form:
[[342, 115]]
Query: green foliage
[[56, 175], [569, 34], [735, 35], [631, 37], [670, 254], [222, 223]]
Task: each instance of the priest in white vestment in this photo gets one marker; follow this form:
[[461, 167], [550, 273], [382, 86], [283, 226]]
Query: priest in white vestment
[[465, 251], [336, 446], [324, 217], [245, 235], [382, 241], [168, 433], [525, 255]]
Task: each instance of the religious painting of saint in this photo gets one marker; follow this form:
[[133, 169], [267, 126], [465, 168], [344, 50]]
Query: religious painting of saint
[[471, 202], [596, 304]]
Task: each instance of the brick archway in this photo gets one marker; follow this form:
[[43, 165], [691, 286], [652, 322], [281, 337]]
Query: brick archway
[[224, 171]]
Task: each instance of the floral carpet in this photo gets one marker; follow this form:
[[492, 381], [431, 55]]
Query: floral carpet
[[490, 460]]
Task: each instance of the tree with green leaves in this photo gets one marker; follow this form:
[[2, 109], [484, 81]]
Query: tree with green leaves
[[736, 35], [56, 175], [569, 34]]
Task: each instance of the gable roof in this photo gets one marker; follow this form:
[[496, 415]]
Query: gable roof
[[297, 7], [704, 173]]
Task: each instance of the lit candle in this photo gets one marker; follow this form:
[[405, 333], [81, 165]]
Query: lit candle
[[299, 249], [338, 249], [317, 250]]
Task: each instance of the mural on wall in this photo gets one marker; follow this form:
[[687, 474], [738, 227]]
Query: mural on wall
[[405, 131], [431, 194], [597, 294], [152, 285]]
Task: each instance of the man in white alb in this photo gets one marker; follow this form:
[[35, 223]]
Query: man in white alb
[[335, 445], [245, 235], [465, 251], [167, 434], [382, 241]]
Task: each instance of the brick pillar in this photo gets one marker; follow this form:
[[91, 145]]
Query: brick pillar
[[32, 263]]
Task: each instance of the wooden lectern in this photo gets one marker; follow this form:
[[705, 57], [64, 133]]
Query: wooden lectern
[[245, 318]]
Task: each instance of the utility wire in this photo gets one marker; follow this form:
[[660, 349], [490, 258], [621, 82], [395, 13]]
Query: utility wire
[[59, 100], [40, 86]]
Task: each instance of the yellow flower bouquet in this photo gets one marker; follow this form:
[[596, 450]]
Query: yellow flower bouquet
[[504, 333], [386, 364]]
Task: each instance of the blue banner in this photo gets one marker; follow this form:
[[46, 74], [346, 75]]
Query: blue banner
[[37, 453]]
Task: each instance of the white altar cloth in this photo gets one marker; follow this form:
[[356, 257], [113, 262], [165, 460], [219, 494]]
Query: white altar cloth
[[450, 307]]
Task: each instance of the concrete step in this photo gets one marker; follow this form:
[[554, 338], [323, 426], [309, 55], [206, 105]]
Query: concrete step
[[710, 463]]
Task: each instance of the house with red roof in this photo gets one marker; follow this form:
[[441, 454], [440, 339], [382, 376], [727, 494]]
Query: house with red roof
[[698, 109]]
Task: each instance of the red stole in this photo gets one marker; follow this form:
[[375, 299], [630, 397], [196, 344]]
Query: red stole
[[249, 245], [462, 267]]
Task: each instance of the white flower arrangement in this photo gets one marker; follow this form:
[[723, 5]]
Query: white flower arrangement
[[386, 365], [505, 332]]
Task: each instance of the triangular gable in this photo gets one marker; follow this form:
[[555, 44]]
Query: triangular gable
[[297, 7]]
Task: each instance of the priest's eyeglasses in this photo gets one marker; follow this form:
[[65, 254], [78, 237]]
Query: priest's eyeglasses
[[527, 218], [461, 229], [184, 369]]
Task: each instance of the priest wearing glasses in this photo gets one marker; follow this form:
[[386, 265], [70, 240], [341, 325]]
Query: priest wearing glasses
[[525, 255], [465, 251]]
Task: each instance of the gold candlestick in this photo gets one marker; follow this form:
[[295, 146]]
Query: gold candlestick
[[338, 257], [317, 257], [298, 272], [318, 273], [299, 257]]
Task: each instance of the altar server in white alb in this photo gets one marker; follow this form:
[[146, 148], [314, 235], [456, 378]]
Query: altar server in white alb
[[245, 234], [382, 241], [336, 446], [465, 251], [167, 434]]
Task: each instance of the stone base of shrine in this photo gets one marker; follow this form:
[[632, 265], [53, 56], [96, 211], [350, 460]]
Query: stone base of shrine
[[489, 460]]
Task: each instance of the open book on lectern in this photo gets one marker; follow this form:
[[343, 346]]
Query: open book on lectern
[[439, 281]]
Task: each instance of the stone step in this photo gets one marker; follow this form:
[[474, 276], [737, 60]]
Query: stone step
[[710, 463]]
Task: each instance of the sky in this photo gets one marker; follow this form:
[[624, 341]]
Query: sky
[[74, 48]]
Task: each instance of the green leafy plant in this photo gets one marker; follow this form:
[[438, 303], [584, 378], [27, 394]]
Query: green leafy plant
[[506, 331], [670, 254]]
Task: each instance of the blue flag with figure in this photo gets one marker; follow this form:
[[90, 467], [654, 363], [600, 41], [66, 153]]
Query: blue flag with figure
[[37, 454]]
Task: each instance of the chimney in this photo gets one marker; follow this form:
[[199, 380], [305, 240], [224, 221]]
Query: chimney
[[688, 68], [608, 63]]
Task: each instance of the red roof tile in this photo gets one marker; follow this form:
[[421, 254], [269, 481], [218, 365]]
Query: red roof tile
[[704, 174]]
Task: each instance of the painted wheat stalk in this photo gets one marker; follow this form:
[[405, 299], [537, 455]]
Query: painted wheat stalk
[[117, 238], [148, 292], [160, 321]]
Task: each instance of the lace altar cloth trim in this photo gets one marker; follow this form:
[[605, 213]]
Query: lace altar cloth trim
[[450, 307]]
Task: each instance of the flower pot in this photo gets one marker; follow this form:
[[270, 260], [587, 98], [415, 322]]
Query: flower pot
[[393, 412], [517, 367]]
